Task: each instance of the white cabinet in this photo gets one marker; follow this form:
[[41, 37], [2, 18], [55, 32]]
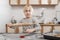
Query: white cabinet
[[44, 2], [13, 2], [23, 2], [49, 2], [34, 2], [54, 1]]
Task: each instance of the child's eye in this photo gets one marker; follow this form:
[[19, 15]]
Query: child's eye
[[27, 10]]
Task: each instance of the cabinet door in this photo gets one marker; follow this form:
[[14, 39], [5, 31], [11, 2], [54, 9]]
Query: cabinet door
[[44, 2], [13, 2], [23, 2], [34, 2], [54, 1]]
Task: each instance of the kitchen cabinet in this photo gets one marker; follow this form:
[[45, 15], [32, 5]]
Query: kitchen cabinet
[[49, 2], [23, 2], [54, 2], [44, 2], [13, 2], [33, 2]]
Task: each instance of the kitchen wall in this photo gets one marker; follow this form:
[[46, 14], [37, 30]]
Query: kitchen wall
[[5, 14], [7, 11], [49, 11], [57, 8]]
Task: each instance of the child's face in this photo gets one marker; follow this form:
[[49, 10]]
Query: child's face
[[28, 12]]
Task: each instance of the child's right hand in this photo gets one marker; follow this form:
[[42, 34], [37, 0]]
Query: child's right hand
[[9, 25]]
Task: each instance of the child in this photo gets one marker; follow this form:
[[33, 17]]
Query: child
[[28, 10]]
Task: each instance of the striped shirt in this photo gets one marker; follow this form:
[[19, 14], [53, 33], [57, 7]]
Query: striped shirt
[[31, 20]]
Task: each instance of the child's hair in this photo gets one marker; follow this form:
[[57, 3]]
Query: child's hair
[[28, 6]]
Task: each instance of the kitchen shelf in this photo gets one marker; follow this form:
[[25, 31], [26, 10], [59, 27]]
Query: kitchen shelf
[[33, 2]]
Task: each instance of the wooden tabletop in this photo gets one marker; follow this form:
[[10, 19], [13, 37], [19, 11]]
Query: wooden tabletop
[[20, 24], [50, 24]]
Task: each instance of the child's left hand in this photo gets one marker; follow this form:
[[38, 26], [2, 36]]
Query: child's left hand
[[30, 30]]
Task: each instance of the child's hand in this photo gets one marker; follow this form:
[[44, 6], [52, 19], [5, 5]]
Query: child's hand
[[10, 24], [30, 30]]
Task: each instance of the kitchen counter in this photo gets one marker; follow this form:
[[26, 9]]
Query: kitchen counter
[[27, 36], [49, 25]]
